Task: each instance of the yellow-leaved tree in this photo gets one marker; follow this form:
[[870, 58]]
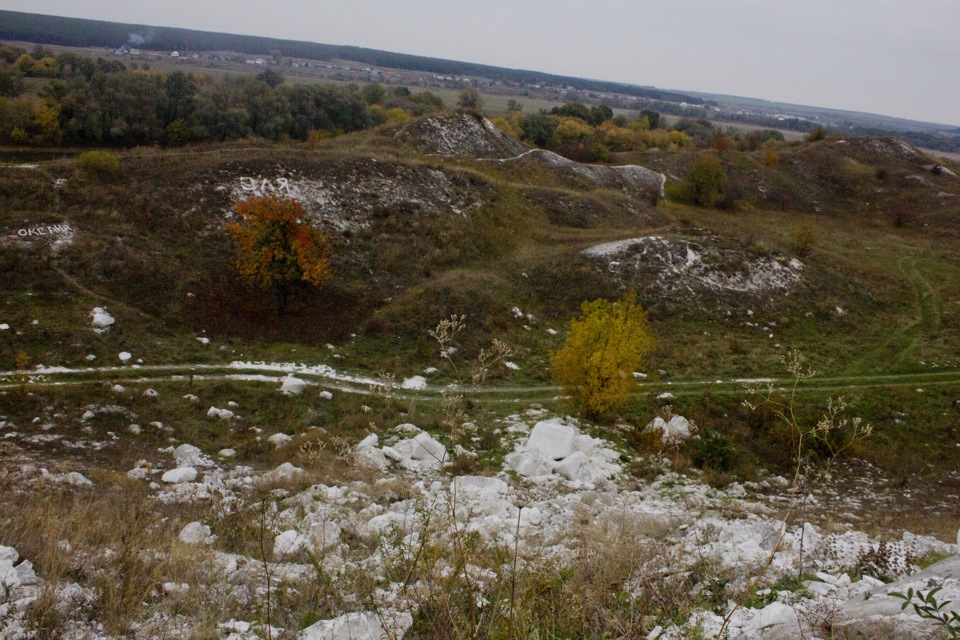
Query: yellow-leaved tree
[[277, 248], [604, 346]]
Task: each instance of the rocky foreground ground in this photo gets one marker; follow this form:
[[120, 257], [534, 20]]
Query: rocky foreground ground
[[404, 533]]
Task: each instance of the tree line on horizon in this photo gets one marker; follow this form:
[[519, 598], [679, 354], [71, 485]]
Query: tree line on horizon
[[80, 32], [83, 101]]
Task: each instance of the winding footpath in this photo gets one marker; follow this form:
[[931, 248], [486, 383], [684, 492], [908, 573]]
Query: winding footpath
[[327, 377]]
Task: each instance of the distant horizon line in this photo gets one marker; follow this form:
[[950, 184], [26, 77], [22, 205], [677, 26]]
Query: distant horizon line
[[558, 76]]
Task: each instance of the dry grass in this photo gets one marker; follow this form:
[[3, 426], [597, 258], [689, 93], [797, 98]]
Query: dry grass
[[110, 540]]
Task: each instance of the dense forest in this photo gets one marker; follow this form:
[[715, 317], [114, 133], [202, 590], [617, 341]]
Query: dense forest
[[77, 32]]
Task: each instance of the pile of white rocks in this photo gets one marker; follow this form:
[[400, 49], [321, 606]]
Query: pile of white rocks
[[421, 452], [556, 447]]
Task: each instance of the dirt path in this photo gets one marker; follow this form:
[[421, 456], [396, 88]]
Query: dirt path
[[352, 383], [927, 318]]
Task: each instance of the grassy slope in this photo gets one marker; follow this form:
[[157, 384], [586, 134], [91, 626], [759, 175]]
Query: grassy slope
[[885, 253]]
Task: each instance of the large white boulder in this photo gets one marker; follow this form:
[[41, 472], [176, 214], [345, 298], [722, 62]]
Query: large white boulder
[[196, 533], [529, 463], [289, 543], [552, 438], [677, 430], [425, 448], [585, 443], [480, 495], [101, 319], [371, 456], [321, 533], [673, 432], [465, 487], [279, 440], [569, 467], [179, 475], [880, 616], [286, 472], [223, 414], [293, 386], [188, 455], [369, 625], [414, 382]]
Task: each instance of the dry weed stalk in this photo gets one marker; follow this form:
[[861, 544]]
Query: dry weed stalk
[[453, 403], [266, 564], [837, 433]]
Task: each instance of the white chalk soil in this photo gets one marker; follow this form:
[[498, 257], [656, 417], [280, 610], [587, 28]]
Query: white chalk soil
[[556, 483]]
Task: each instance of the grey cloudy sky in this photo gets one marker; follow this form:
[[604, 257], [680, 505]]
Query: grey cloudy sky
[[895, 57]]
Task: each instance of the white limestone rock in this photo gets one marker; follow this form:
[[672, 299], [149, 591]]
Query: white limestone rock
[[288, 543], [279, 440], [371, 456], [585, 444], [673, 432], [529, 463], [392, 454], [879, 616], [223, 414], [371, 440], [321, 533], [179, 475], [196, 533], [369, 625], [426, 449], [286, 472], [293, 386], [678, 430], [101, 319], [414, 382], [552, 438], [569, 467], [188, 455]]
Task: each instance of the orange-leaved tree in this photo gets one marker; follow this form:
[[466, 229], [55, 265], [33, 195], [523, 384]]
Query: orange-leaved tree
[[277, 248]]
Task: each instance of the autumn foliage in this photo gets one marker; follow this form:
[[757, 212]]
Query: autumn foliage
[[277, 249], [604, 346]]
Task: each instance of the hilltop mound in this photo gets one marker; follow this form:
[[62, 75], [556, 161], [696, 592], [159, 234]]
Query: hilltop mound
[[682, 270], [467, 135], [635, 181], [459, 134], [347, 193]]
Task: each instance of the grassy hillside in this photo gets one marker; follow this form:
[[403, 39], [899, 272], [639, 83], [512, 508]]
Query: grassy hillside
[[417, 238]]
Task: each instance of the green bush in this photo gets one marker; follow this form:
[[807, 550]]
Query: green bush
[[715, 452], [705, 184], [98, 164]]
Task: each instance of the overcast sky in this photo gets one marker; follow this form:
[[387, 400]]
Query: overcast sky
[[895, 57]]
